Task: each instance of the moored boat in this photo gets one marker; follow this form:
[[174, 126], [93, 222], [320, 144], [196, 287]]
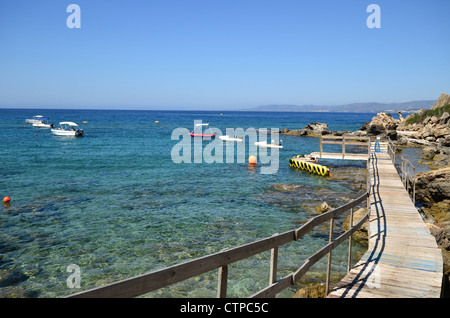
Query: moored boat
[[201, 134], [228, 138], [68, 128], [264, 144], [35, 120], [43, 124]]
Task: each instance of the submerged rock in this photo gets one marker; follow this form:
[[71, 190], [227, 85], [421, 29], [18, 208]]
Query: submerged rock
[[324, 207], [312, 291]]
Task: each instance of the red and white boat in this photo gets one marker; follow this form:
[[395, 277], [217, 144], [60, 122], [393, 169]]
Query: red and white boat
[[201, 134]]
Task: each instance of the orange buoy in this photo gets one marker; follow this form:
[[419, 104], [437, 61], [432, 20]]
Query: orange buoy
[[6, 199], [252, 160]]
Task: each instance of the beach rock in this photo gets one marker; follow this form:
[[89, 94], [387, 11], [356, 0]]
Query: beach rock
[[445, 142], [433, 186], [441, 235], [365, 126], [376, 129], [392, 134], [444, 118], [429, 152], [441, 232], [438, 212]]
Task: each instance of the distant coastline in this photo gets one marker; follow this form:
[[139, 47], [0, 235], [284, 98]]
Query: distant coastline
[[370, 107], [367, 107]]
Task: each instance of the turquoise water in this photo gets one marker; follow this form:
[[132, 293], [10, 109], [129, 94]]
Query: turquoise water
[[115, 204]]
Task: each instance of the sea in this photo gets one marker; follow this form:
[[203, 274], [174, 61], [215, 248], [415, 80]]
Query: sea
[[113, 204]]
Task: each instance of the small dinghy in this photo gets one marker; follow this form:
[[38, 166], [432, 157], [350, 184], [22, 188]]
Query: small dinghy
[[228, 138]]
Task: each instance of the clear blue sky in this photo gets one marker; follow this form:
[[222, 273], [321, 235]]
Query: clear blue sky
[[221, 53]]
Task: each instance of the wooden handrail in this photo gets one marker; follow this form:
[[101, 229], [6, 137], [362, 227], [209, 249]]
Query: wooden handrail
[[407, 170], [148, 282], [345, 140]]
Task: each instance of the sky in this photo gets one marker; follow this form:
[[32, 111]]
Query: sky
[[221, 54]]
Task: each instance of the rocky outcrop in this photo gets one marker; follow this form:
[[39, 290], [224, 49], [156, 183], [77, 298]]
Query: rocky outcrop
[[429, 125], [435, 156], [443, 100], [382, 125], [433, 186], [312, 129]]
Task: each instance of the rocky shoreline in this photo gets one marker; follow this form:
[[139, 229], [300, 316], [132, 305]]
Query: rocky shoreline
[[429, 130]]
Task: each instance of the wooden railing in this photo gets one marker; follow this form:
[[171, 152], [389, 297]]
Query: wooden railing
[[148, 282], [407, 171], [344, 140]]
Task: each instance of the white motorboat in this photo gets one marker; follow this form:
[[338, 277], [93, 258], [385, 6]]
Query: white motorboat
[[68, 128], [228, 138], [264, 144], [35, 120], [43, 124]]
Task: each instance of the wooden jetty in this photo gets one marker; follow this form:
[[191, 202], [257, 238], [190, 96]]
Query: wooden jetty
[[403, 259]]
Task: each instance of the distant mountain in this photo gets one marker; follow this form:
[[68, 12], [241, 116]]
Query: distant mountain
[[350, 108]]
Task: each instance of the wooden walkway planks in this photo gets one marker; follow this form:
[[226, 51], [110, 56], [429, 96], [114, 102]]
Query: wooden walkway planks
[[403, 259]]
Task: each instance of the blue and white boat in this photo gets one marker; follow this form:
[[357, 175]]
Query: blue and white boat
[[35, 120]]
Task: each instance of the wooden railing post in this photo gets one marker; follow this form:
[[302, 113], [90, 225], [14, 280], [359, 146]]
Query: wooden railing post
[[222, 282], [343, 147], [321, 145], [414, 186], [273, 264], [349, 261], [330, 239]]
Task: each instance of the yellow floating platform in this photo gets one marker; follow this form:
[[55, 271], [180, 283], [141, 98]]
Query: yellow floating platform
[[304, 163]]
